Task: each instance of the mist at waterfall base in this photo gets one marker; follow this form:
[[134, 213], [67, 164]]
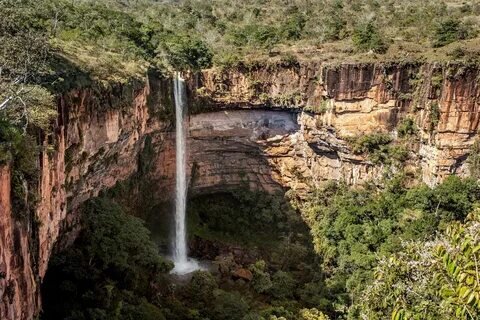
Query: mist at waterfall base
[[183, 264]]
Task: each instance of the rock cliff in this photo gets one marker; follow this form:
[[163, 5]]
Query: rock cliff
[[338, 103], [289, 125]]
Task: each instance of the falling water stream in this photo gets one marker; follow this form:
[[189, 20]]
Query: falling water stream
[[183, 264]]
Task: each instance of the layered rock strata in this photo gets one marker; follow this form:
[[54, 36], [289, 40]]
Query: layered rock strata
[[269, 127]]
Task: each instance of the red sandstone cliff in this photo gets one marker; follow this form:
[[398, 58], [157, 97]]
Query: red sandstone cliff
[[100, 134], [356, 99], [18, 287]]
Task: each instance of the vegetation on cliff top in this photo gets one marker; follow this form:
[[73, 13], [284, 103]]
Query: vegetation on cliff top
[[312, 29], [51, 46], [114, 40]]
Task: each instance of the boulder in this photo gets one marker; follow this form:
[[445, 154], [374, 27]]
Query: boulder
[[243, 273]]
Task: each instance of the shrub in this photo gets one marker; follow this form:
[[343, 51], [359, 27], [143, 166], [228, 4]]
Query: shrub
[[143, 311], [288, 60], [434, 116], [473, 160], [315, 294], [227, 60], [457, 53], [255, 35], [229, 306], [406, 128], [186, 53], [334, 24], [201, 286], [283, 285], [312, 314], [449, 31], [293, 28], [277, 313], [261, 281], [366, 37], [398, 153], [371, 142]]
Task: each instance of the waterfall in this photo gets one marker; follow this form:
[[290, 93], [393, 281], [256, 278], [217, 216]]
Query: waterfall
[[182, 263]]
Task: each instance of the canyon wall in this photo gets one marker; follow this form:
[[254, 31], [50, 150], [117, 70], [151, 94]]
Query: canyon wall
[[270, 127], [344, 102], [18, 285], [228, 149], [97, 137]]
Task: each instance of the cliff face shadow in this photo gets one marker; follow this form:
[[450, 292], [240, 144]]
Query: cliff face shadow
[[237, 206], [238, 212]]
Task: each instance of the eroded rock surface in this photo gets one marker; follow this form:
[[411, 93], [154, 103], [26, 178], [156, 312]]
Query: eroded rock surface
[[351, 100], [284, 126]]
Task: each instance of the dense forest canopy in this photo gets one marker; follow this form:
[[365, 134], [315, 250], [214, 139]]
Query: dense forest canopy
[[372, 253], [106, 36]]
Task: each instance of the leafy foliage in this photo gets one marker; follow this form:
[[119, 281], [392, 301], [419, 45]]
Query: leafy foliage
[[24, 58], [370, 143], [367, 37], [229, 306], [21, 152], [449, 31], [436, 279], [123, 37], [376, 256], [283, 285], [202, 286], [312, 314], [474, 160], [109, 272], [380, 149], [351, 228], [185, 52], [261, 278], [407, 128], [250, 217]]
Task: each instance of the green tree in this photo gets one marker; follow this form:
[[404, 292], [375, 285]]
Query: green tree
[[370, 143], [24, 55], [367, 37], [436, 279], [283, 285], [261, 278], [449, 31], [312, 314], [184, 52], [293, 28], [109, 272], [406, 128], [351, 228], [201, 287], [229, 306], [333, 22], [474, 160]]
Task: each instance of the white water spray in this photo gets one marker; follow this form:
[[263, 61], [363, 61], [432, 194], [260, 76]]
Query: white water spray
[[183, 264]]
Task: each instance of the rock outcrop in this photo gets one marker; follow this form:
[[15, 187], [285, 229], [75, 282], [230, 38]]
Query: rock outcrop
[[18, 285], [351, 100], [271, 127], [98, 136]]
